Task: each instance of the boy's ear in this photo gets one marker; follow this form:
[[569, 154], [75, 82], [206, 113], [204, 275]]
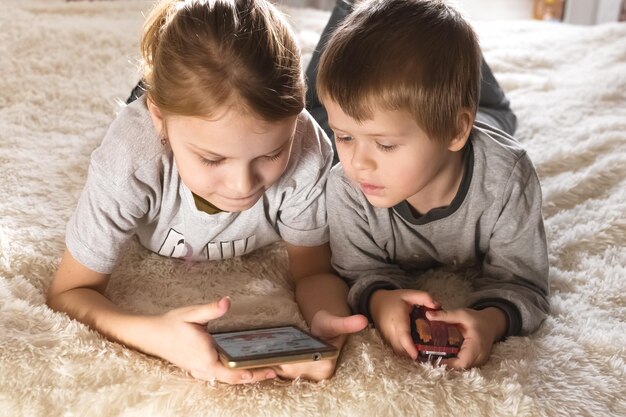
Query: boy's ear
[[465, 121], [156, 116]]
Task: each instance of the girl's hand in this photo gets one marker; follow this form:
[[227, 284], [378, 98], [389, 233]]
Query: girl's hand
[[480, 330], [332, 329], [180, 336], [390, 310]]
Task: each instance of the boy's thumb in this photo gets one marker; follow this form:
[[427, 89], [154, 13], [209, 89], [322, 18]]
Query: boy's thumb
[[202, 314]]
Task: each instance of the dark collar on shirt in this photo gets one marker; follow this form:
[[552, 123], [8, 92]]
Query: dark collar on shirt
[[404, 209]]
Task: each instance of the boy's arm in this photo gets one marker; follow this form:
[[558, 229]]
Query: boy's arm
[[356, 255], [514, 275], [361, 255]]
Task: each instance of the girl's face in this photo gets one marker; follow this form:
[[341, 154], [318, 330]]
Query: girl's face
[[229, 161]]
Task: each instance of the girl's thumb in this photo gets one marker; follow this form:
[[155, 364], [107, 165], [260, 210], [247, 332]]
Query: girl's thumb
[[204, 313]]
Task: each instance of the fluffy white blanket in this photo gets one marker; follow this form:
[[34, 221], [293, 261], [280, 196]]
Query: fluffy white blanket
[[65, 65]]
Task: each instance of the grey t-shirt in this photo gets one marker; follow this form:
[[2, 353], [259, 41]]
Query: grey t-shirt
[[494, 225], [133, 189]]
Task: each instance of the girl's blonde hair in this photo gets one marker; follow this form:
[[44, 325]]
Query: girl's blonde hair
[[202, 56]]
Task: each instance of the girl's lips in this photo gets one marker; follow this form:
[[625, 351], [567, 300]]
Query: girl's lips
[[242, 203], [370, 189]]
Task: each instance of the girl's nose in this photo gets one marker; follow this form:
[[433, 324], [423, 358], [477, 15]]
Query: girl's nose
[[243, 181]]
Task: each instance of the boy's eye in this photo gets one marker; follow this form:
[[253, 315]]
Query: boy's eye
[[343, 138]]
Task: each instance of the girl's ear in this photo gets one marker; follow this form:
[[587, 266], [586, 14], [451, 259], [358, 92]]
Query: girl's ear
[[465, 121], [156, 116]]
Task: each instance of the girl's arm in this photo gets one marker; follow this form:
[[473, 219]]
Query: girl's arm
[[317, 285], [179, 335], [78, 291], [322, 298]]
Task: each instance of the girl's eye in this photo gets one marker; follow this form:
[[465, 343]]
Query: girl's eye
[[386, 148], [210, 162], [273, 157]]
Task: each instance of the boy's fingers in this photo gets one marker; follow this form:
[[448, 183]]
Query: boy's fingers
[[452, 363], [202, 314], [397, 347], [448, 316], [420, 298], [463, 359], [407, 344], [466, 358]]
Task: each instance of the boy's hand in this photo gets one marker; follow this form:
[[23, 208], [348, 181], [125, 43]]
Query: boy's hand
[[390, 310], [332, 329], [180, 336], [480, 330]]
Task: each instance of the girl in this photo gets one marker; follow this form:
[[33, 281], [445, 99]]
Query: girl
[[218, 158]]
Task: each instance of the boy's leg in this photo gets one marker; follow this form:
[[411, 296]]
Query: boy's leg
[[313, 105], [493, 106]]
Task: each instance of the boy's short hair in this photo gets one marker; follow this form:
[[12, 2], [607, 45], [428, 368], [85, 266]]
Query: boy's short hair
[[421, 56], [202, 56]]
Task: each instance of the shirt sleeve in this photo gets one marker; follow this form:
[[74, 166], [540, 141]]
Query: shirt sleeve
[[357, 255], [514, 274], [105, 219], [302, 217]]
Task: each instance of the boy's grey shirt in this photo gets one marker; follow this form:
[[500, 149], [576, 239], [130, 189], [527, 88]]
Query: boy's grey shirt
[[494, 224], [133, 189]]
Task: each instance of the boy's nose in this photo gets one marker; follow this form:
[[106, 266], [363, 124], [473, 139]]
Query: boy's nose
[[361, 159]]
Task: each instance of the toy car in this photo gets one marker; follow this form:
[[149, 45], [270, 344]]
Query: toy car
[[433, 339]]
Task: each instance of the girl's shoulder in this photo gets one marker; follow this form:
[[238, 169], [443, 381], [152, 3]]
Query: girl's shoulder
[[311, 151], [310, 140], [130, 145]]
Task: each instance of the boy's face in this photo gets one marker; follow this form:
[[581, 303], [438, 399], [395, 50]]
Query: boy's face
[[392, 159], [231, 161]]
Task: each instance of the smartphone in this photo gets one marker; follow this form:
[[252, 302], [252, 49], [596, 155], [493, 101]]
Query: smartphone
[[433, 339], [254, 348]]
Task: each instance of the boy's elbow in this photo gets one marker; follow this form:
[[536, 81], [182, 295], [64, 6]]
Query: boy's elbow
[[535, 316]]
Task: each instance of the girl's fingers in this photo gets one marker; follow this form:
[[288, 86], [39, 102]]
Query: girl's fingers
[[328, 325], [243, 376], [204, 313]]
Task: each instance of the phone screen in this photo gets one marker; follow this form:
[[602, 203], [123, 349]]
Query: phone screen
[[286, 343], [273, 341]]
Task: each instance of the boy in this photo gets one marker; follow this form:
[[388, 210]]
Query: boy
[[422, 183]]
